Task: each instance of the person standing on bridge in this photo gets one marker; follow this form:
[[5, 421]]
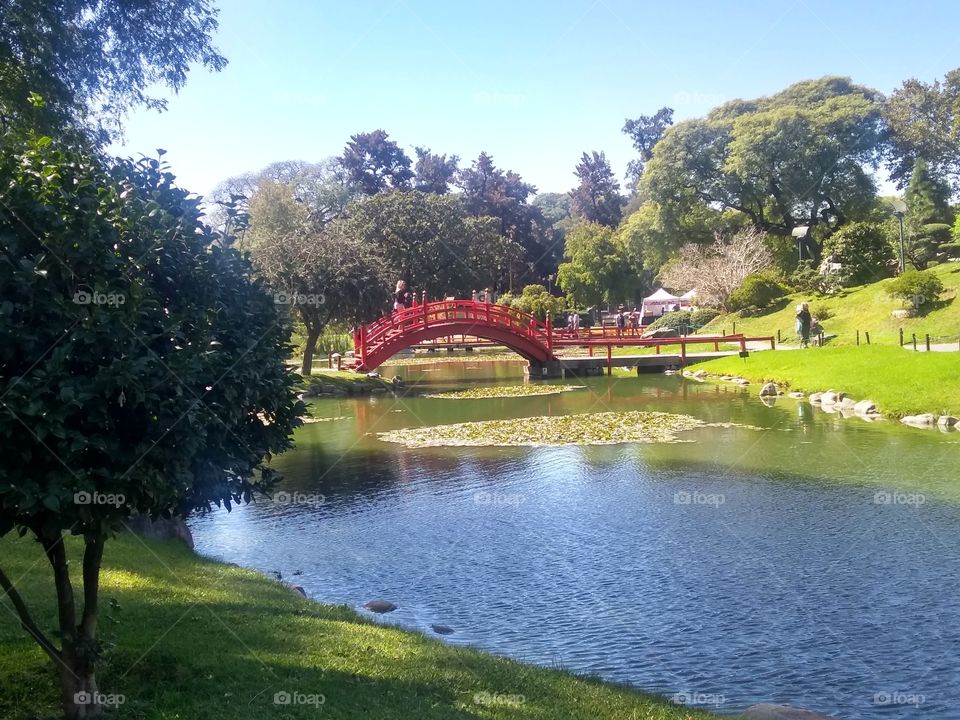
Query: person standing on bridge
[[634, 321], [621, 321], [401, 296]]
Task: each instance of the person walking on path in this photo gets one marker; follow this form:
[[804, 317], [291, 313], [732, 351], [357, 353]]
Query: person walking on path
[[804, 321]]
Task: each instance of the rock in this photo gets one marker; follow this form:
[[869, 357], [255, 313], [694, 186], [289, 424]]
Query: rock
[[442, 629], [865, 407], [726, 378], [373, 374], [947, 421], [901, 314], [924, 420], [665, 332], [160, 529], [769, 390], [380, 606], [297, 589], [848, 403], [771, 711], [829, 398], [797, 395], [815, 398], [741, 381]]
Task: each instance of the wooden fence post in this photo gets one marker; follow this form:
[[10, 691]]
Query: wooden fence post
[[928, 342], [901, 337], [867, 333]]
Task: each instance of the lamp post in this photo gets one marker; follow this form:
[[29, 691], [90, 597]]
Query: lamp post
[[550, 284], [800, 233], [900, 209]]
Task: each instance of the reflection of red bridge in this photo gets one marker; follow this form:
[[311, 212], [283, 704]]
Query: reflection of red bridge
[[521, 332]]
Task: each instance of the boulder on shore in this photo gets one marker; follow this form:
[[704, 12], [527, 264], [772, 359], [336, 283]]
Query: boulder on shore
[[796, 394], [924, 420], [772, 711], [160, 529], [865, 407], [946, 421], [442, 629], [815, 398], [829, 398], [769, 390], [380, 606]]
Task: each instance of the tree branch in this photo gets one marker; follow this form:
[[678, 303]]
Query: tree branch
[[26, 620]]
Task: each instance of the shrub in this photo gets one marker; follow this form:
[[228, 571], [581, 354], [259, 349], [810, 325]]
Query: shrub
[[689, 320], [820, 312], [863, 250], [918, 288], [757, 291]]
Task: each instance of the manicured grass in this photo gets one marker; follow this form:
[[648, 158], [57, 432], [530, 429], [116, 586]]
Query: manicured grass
[[193, 639], [347, 381], [866, 308], [900, 382]]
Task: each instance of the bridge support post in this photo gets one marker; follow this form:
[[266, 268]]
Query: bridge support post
[[543, 371]]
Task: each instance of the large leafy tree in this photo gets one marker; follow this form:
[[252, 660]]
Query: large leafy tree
[[434, 173], [319, 272], [489, 191], [928, 218], [924, 122], [597, 197], [645, 132], [376, 163], [90, 61], [598, 267], [430, 241], [799, 158], [141, 371]]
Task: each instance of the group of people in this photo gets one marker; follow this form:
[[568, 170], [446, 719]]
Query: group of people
[[807, 326], [627, 321]]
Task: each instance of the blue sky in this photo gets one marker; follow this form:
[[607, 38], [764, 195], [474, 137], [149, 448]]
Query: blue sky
[[533, 83]]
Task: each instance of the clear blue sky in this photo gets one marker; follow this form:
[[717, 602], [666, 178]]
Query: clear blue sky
[[534, 83]]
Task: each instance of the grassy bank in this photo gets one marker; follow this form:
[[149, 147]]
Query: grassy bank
[[898, 381], [343, 382], [866, 308], [191, 638]]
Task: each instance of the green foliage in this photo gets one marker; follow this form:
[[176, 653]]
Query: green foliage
[[800, 157], [645, 132], [535, 300], [433, 172], [757, 291], [928, 216], [919, 289], [689, 320], [863, 249], [376, 163], [140, 365], [599, 268], [86, 63], [820, 311], [597, 198]]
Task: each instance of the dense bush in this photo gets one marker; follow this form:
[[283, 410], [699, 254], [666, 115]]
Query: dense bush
[[757, 291], [820, 312], [918, 288], [689, 320], [864, 251]]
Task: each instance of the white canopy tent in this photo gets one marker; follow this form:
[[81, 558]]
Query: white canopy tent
[[661, 301]]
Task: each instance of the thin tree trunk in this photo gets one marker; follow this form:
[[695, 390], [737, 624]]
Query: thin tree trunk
[[313, 335]]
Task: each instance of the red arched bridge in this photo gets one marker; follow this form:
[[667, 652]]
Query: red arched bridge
[[521, 332]]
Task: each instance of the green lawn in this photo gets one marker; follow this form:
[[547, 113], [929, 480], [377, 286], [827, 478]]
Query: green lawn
[[900, 382], [866, 308], [193, 639]]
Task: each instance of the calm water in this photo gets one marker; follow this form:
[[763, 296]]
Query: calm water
[[813, 563]]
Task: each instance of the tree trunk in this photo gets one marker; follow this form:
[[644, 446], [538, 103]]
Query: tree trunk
[[313, 335]]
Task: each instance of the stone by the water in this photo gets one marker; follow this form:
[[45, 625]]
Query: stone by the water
[[380, 606]]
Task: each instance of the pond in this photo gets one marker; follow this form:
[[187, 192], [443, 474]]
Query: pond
[[807, 559]]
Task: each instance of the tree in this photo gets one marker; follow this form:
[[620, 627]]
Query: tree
[[924, 123], [799, 158], [645, 132], [141, 371], [757, 291], [597, 198], [535, 299], [431, 242], [375, 163], [434, 173], [87, 62], [715, 271], [920, 289], [863, 249], [598, 269], [489, 191], [928, 218]]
